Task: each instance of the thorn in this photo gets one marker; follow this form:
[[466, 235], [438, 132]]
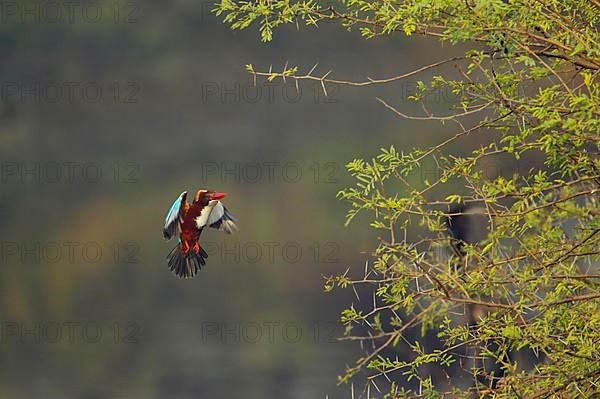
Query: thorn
[[324, 89], [284, 70], [313, 68], [375, 385], [355, 293]]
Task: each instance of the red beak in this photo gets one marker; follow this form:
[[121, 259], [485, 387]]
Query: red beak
[[219, 196]]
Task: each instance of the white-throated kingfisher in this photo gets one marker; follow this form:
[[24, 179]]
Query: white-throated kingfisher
[[188, 257]]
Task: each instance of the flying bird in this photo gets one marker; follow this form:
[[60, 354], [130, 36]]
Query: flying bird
[[188, 257]]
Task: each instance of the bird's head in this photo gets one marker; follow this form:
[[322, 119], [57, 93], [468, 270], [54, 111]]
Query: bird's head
[[203, 197]]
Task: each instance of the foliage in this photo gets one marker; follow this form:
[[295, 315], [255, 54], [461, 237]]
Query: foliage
[[530, 83]]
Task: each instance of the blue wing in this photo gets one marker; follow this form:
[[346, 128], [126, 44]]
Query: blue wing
[[173, 218]]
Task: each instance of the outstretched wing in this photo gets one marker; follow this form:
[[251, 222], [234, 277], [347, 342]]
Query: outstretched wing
[[222, 220], [174, 216], [216, 216]]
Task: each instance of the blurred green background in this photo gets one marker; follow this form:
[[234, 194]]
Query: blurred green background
[[185, 107]]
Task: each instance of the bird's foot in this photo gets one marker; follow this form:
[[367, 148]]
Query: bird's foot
[[196, 248], [185, 248]]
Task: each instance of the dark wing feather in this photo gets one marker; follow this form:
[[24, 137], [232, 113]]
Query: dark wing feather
[[221, 219], [173, 219]]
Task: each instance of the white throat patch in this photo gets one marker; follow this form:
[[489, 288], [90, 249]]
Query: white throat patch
[[203, 219]]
